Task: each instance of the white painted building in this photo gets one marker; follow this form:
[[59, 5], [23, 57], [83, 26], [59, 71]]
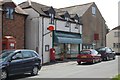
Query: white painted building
[[113, 39], [65, 38]]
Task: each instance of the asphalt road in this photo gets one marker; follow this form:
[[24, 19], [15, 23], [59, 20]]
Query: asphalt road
[[70, 69]]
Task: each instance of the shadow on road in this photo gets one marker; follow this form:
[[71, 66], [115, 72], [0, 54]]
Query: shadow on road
[[15, 77]]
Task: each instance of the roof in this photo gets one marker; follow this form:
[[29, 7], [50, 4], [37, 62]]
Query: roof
[[77, 9], [17, 8], [116, 28], [20, 10], [38, 7]]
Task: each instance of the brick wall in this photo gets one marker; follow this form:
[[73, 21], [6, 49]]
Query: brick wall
[[15, 28]]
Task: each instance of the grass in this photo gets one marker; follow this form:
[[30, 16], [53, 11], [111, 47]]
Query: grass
[[117, 77]]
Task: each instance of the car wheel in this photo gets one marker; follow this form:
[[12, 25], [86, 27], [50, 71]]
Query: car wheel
[[107, 58], [34, 70], [100, 59], [114, 58], [4, 75], [93, 61], [79, 63]]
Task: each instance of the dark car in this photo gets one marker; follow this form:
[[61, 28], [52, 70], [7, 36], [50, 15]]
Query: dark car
[[88, 55], [106, 53], [19, 62]]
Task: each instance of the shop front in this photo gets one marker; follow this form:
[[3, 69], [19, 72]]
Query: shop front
[[66, 44]]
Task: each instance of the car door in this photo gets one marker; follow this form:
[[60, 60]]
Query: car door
[[111, 53], [28, 60], [16, 64]]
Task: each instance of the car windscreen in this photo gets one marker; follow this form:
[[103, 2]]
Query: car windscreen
[[101, 49], [5, 54], [85, 52]]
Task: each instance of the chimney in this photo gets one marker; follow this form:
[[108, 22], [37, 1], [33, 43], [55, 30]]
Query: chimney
[[29, 2]]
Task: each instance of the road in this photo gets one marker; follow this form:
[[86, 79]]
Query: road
[[70, 69]]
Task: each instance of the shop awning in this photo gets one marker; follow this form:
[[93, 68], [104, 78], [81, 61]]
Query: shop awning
[[67, 37]]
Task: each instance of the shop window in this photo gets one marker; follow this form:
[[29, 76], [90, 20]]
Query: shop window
[[9, 13], [74, 49]]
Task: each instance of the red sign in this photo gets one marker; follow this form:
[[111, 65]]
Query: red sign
[[51, 28], [96, 36]]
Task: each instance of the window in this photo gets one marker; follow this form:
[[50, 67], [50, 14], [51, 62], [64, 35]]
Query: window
[[46, 47], [116, 34], [17, 56], [27, 54], [33, 54], [9, 13], [76, 21], [93, 11], [116, 45], [77, 26], [51, 18], [67, 24], [108, 50]]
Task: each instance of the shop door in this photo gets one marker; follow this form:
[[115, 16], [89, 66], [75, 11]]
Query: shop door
[[66, 50]]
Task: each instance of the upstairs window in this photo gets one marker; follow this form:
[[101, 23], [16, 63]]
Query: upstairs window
[[116, 34], [76, 21], [67, 22], [77, 26], [93, 11], [51, 18], [9, 14]]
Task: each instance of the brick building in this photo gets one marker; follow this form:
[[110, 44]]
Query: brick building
[[0, 28], [13, 22]]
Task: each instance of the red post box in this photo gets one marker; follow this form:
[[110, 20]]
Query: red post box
[[52, 54], [8, 42]]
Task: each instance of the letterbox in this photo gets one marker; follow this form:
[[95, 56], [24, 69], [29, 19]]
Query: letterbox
[[52, 54], [8, 42]]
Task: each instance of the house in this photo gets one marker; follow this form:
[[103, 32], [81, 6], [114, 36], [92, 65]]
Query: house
[[94, 25], [13, 22], [113, 39], [47, 28]]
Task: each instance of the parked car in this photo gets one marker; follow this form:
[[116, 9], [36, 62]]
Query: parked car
[[106, 53], [19, 62], [88, 55]]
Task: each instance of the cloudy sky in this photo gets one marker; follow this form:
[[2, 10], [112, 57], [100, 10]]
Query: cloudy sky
[[108, 8]]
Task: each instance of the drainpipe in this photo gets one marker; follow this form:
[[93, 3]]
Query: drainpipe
[[42, 38]]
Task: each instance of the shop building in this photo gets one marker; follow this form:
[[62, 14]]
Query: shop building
[[94, 25], [47, 27]]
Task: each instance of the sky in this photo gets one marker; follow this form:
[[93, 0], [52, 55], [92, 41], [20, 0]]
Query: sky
[[108, 8]]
